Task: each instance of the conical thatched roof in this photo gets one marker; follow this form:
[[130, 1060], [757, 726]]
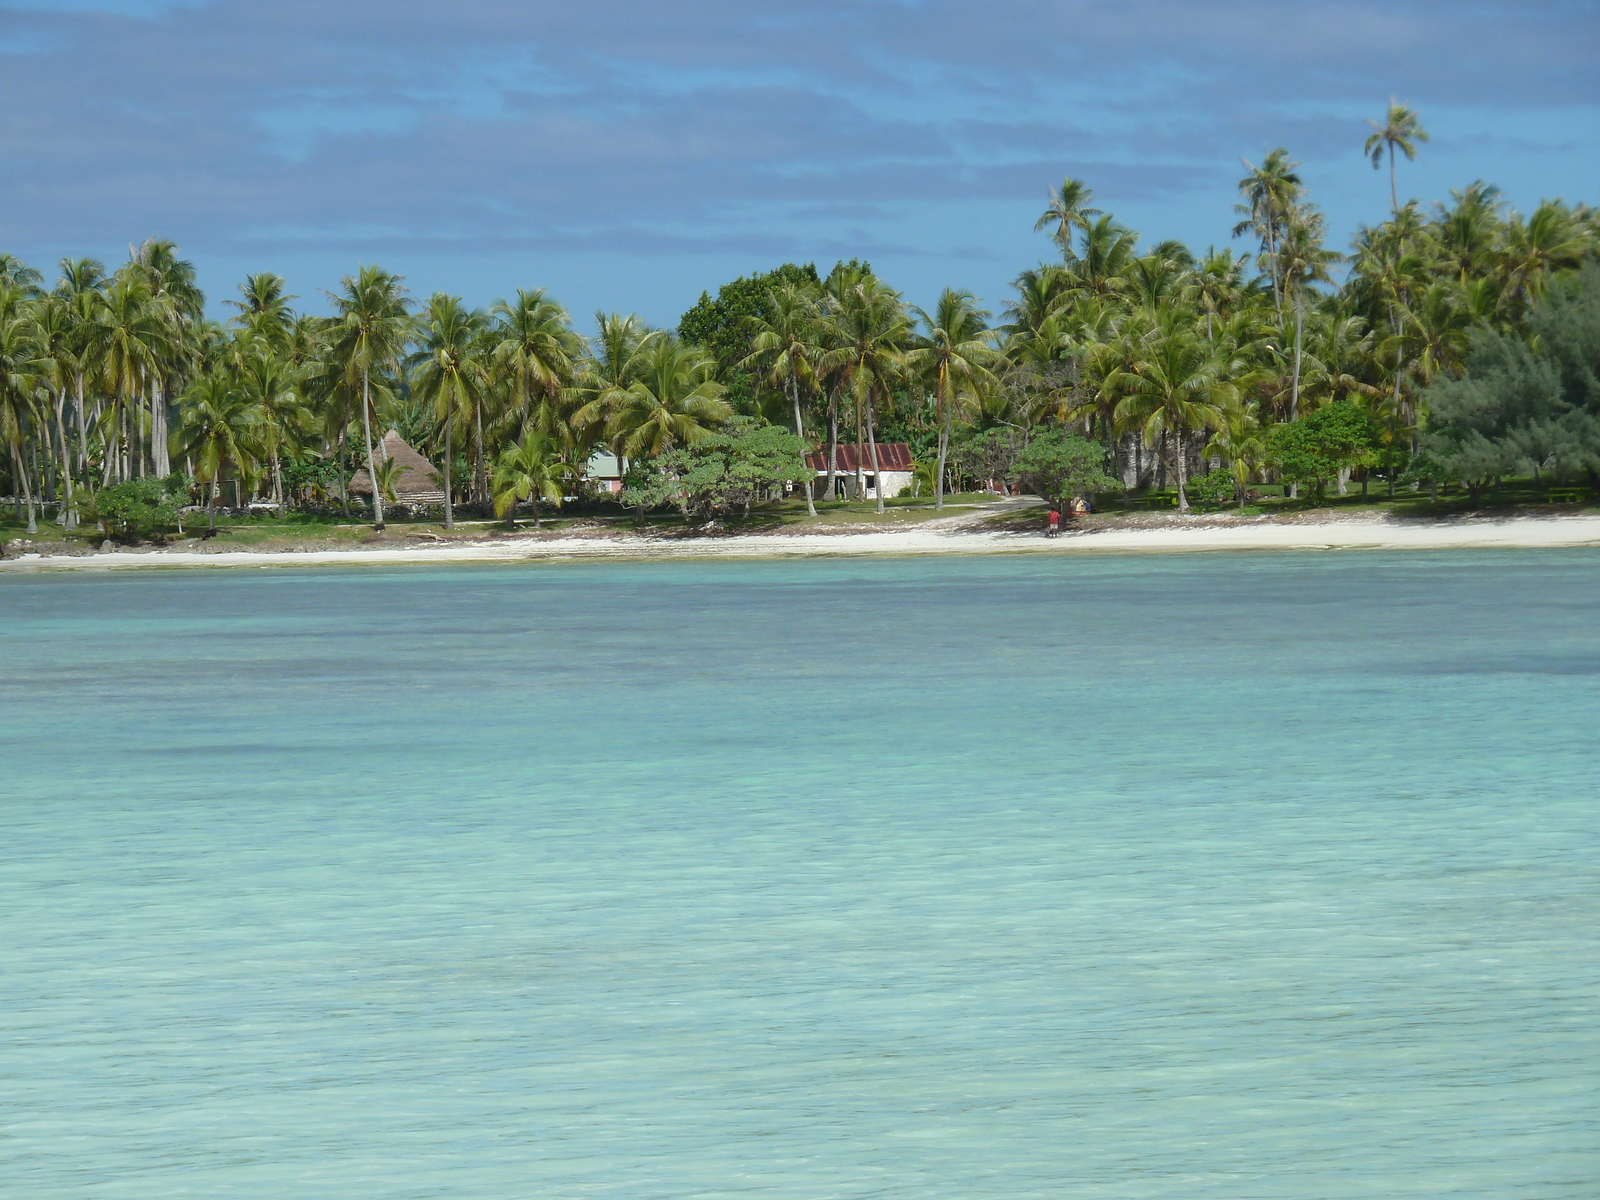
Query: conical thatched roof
[[418, 479]]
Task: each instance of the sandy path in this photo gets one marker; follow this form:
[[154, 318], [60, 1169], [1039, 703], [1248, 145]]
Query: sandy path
[[1523, 532]]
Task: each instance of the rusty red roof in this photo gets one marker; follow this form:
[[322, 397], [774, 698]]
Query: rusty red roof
[[892, 456]]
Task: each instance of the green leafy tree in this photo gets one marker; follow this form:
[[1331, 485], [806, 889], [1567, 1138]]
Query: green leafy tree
[[732, 468], [1058, 466], [1318, 447], [1524, 405], [722, 325], [135, 508]]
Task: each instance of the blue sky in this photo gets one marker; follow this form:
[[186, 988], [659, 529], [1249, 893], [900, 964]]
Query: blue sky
[[627, 155]]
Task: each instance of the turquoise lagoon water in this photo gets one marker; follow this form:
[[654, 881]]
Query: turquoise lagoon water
[[1211, 876]]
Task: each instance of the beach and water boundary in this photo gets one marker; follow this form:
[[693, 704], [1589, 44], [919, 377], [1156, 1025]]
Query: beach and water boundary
[[1172, 536]]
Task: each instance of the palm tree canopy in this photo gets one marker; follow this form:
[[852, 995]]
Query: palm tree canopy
[[1400, 130], [674, 399]]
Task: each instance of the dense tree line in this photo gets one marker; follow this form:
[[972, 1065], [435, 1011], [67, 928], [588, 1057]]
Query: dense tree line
[[1460, 345]]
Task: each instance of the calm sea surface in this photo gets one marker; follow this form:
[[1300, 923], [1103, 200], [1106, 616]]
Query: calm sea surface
[[1213, 876]]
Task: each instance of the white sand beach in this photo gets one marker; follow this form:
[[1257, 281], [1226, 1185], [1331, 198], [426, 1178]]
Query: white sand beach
[[1173, 536]]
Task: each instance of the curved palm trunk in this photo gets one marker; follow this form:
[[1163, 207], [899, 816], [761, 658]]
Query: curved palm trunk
[[1394, 194], [372, 470], [21, 470]]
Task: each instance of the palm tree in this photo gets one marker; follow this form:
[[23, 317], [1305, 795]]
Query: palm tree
[[450, 373], [388, 475], [129, 339], [24, 373], [264, 313], [1107, 252], [181, 305], [16, 274], [1302, 261], [217, 425], [369, 334], [1239, 443], [272, 388], [535, 351], [868, 327], [783, 345], [1400, 130], [80, 290], [1068, 210], [533, 469], [954, 357], [1271, 192], [616, 358], [1174, 389], [56, 333], [674, 399]]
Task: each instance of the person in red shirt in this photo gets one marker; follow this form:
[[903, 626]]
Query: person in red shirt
[[1055, 521]]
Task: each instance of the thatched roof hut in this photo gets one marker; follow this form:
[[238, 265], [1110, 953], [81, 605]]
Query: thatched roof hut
[[418, 481]]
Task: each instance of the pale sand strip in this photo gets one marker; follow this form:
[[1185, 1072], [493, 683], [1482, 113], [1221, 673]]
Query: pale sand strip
[[1521, 532]]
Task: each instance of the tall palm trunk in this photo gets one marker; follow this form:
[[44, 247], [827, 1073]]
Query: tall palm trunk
[[163, 456], [1180, 471], [366, 430], [944, 450], [833, 442], [449, 453], [83, 432], [800, 432], [872, 442], [861, 482], [480, 481], [71, 510], [1294, 391], [344, 474]]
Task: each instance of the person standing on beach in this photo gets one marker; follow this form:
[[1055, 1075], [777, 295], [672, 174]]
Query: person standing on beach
[[1055, 521]]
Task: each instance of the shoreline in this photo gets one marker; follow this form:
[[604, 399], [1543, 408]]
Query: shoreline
[[1348, 534]]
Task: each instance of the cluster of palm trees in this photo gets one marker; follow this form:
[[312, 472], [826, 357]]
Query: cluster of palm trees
[[1173, 362]]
